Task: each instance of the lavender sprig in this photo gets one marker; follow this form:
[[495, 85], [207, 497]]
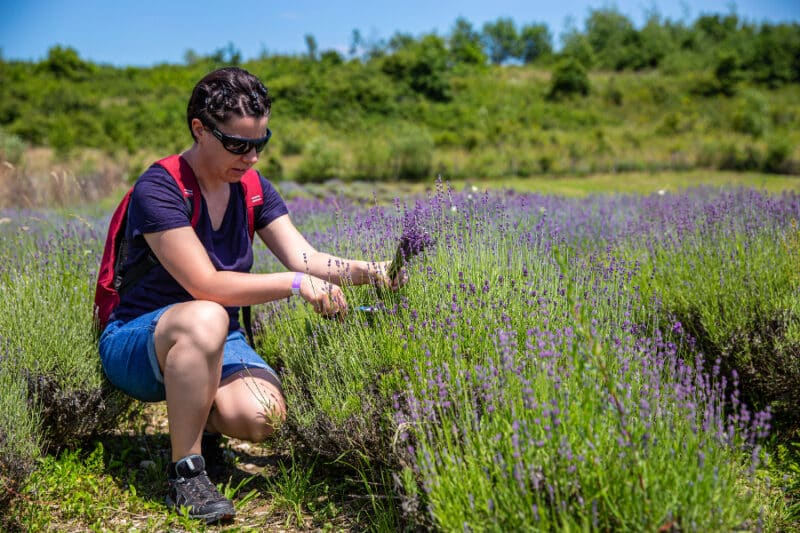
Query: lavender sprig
[[412, 242]]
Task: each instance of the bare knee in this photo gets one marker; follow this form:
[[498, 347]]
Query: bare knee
[[268, 421], [260, 418], [249, 408], [200, 324]]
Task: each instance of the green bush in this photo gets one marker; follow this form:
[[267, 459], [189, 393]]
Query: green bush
[[778, 158], [373, 159], [20, 438], [569, 78], [321, 161], [52, 389], [12, 148], [752, 116], [411, 152]]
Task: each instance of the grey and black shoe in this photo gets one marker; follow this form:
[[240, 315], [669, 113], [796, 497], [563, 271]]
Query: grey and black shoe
[[190, 488]]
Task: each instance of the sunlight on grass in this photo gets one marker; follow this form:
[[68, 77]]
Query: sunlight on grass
[[636, 183]]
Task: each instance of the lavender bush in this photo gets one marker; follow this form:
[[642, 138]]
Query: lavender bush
[[500, 400], [552, 363], [54, 392]]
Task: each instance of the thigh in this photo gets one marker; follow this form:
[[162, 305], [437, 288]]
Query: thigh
[[128, 354]]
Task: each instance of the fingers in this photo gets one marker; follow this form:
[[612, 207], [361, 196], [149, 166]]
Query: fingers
[[330, 301], [401, 279], [382, 280]]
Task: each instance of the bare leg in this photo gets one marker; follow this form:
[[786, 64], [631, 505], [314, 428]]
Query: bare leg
[[248, 406], [190, 339]]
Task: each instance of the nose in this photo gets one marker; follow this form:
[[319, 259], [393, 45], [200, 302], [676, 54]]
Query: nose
[[250, 157]]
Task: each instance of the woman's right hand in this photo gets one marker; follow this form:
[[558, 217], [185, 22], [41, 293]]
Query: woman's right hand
[[326, 298]]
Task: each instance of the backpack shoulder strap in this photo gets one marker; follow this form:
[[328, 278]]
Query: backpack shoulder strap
[[180, 170], [177, 167], [253, 198]]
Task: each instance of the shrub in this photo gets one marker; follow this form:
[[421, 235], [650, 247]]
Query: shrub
[[502, 381], [321, 161], [569, 78], [373, 159], [778, 158], [732, 157], [727, 73], [411, 150], [20, 439], [12, 148], [752, 115], [53, 392]]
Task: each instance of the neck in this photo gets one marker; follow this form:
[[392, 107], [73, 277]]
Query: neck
[[208, 185]]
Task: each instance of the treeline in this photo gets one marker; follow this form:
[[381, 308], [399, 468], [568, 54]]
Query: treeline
[[478, 102]]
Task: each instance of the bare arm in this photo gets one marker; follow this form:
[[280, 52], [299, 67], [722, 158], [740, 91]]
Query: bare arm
[[297, 254], [184, 257]]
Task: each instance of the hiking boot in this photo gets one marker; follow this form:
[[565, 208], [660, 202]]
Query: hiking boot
[[214, 456], [189, 487]]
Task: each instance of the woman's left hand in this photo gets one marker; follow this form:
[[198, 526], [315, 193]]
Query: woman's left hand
[[381, 277]]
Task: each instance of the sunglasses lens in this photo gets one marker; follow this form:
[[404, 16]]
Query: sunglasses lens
[[237, 147], [240, 146]]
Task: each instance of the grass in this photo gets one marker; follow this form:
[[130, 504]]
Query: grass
[[639, 183], [506, 383], [117, 483], [115, 172]]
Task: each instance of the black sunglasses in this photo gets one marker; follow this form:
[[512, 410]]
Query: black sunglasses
[[238, 145]]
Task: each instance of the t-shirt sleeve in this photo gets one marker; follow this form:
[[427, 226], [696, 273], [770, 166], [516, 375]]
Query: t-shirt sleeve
[[273, 207], [157, 204]]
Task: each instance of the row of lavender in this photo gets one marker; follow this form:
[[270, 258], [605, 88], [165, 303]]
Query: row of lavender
[[543, 366]]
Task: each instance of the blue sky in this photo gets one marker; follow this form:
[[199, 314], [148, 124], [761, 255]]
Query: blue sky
[[146, 32]]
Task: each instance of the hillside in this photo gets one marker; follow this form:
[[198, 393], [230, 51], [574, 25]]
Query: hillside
[[719, 94]]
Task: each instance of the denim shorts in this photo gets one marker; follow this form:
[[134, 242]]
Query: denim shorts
[[128, 354]]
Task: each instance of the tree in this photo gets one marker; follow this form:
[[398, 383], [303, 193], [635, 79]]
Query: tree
[[576, 46], [535, 42], [610, 33], [501, 40], [422, 65], [331, 58], [727, 73], [465, 44], [311, 46], [656, 42], [65, 63], [229, 55], [775, 56], [191, 57], [356, 43], [716, 28]]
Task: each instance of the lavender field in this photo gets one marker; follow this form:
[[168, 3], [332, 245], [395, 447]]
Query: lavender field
[[611, 363]]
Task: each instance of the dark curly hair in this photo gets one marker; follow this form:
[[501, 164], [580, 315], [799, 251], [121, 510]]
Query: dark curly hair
[[227, 92]]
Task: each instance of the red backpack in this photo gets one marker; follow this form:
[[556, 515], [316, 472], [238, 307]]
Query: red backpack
[[112, 280]]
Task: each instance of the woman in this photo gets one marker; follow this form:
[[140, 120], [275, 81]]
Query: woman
[[175, 335]]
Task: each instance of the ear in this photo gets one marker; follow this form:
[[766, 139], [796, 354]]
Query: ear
[[197, 128]]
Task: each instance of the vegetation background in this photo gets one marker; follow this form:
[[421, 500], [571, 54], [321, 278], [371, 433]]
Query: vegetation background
[[616, 108], [495, 102]]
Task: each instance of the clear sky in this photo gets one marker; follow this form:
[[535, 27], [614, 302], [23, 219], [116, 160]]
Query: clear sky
[[146, 32]]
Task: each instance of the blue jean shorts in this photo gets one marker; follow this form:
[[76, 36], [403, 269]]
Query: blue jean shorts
[[128, 354]]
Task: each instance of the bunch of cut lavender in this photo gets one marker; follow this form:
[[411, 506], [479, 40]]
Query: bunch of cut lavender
[[413, 241]]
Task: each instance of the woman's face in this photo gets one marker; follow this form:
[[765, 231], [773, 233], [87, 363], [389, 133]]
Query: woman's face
[[220, 162]]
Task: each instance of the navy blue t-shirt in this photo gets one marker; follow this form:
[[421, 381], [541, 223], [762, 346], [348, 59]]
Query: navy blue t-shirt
[[157, 204]]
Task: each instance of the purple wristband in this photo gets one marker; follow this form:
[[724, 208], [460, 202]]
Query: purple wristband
[[298, 279]]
